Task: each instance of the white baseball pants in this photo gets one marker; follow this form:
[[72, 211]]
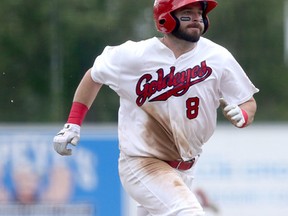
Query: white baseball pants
[[159, 189]]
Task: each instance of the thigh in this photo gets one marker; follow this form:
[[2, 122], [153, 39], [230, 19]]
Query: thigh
[[157, 187]]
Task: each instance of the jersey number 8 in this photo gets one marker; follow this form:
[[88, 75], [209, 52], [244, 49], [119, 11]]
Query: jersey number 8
[[192, 107]]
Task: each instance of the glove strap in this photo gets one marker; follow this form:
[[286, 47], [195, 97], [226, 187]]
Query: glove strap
[[77, 113], [245, 115]]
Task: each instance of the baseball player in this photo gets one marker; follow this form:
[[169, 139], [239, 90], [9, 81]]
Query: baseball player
[[170, 89]]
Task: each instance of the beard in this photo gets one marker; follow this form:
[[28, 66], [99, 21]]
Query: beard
[[184, 35]]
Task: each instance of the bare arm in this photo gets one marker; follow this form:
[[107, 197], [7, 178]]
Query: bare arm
[[84, 96], [87, 90], [250, 107]]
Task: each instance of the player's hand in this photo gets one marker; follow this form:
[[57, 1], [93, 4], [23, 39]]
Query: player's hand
[[233, 113], [70, 134]]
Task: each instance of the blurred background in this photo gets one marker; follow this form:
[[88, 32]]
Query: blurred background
[[45, 49], [47, 46]]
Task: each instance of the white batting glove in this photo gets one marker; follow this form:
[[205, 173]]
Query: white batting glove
[[70, 134], [233, 113]]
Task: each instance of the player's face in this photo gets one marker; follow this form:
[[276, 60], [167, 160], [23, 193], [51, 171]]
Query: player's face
[[191, 22]]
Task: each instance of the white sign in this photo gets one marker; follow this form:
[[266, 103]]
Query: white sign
[[245, 171]]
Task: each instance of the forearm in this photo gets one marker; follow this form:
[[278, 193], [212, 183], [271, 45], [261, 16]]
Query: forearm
[[84, 96], [87, 90], [250, 108]]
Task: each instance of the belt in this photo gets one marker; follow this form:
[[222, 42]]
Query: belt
[[181, 165]]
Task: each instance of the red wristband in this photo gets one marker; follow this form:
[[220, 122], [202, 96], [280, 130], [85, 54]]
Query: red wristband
[[245, 115], [77, 113]]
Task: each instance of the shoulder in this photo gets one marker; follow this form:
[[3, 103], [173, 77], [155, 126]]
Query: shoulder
[[130, 49], [133, 45], [205, 43]]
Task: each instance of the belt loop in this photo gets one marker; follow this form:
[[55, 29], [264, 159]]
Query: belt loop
[[179, 165]]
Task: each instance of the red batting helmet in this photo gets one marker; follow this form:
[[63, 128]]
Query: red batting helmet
[[164, 20]]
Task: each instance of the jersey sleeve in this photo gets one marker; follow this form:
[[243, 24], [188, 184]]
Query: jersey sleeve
[[235, 86], [106, 67]]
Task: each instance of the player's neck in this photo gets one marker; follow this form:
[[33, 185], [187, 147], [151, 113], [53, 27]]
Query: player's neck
[[177, 46]]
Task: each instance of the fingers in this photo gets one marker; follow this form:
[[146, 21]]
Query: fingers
[[240, 123], [75, 140], [232, 112], [61, 148], [62, 140], [70, 134]]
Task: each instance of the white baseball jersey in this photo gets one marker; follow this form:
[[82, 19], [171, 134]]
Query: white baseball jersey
[[168, 105]]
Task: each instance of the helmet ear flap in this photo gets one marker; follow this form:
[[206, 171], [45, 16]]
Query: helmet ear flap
[[206, 23], [205, 17], [167, 23], [177, 23]]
